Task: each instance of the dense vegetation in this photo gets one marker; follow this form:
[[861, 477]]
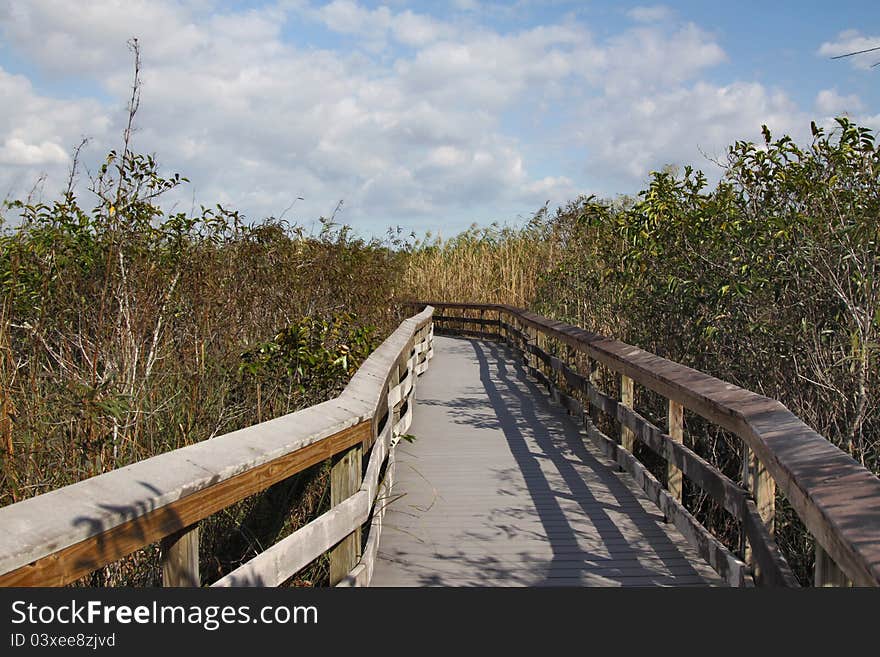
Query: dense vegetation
[[126, 331]]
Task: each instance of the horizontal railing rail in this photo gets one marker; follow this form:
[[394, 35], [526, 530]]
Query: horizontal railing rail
[[837, 499], [58, 537]]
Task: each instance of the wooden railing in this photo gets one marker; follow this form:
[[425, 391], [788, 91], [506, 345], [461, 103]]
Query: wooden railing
[[57, 538], [837, 499]]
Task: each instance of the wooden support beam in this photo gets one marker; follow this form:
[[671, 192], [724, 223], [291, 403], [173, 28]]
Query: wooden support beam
[[763, 490], [827, 573], [543, 367], [572, 361], [627, 398], [180, 558], [595, 382], [676, 432], [393, 382], [345, 480], [532, 334]]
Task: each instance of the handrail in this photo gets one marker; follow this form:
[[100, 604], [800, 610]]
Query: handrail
[[56, 538], [837, 499]]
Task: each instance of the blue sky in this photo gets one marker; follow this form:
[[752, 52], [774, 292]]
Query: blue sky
[[426, 115]]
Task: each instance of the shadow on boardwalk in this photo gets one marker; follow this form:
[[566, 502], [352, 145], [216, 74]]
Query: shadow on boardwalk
[[507, 493]]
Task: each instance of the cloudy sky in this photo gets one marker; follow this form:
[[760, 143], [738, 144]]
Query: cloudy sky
[[427, 115]]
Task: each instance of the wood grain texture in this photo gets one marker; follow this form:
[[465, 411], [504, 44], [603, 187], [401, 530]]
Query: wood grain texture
[[826, 573], [345, 481], [66, 565], [675, 420], [180, 558], [280, 562], [499, 489], [627, 398], [722, 560]]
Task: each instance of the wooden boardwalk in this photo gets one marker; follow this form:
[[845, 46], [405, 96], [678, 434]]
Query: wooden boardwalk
[[500, 488]]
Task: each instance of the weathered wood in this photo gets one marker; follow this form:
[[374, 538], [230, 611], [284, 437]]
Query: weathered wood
[[771, 568], [627, 398], [532, 347], [483, 335], [369, 385], [716, 553], [180, 558], [817, 478], [705, 475], [826, 573], [676, 432], [283, 560], [721, 489], [405, 420], [764, 491], [544, 362], [105, 545], [602, 402], [395, 394], [595, 382], [514, 335], [362, 574], [345, 481], [482, 321]]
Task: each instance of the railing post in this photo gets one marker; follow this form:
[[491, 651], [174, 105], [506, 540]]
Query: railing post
[[763, 489], [393, 382], [676, 432], [593, 367], [571, 359], [532, 334], [541, 343], [627, 398], [826, 572], [180, 558], [345, 479]]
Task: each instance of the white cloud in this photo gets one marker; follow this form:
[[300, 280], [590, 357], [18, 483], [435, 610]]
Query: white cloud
[[16, 152], [851, 41], [380, 24], [830, 102], [417, 135], [650, 14], [631, 139], [38, 133], [646, 58], [91, 39], [255, 122]]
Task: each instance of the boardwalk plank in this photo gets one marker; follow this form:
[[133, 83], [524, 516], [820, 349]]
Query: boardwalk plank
[[500, 489]]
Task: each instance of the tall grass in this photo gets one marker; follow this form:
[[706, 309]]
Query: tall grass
[[483, 264]]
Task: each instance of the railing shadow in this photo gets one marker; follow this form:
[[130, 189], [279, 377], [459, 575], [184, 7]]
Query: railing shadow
[[550, 454], [132, 522]]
